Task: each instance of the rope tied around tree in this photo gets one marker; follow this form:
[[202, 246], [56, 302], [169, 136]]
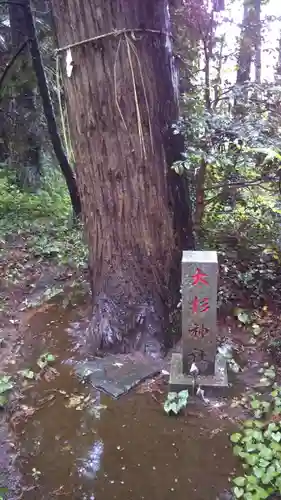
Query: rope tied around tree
[[115, 33], [129, 39]]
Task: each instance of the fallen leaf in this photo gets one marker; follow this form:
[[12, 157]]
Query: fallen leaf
[[74, 401]]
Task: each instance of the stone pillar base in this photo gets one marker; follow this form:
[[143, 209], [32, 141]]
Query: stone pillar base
[[179, 381]]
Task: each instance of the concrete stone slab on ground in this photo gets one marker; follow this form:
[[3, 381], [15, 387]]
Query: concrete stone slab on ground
[[118, 374]]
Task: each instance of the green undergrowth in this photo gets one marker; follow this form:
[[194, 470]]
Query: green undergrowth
[[252, 225], [258, 445], [248, 240], [42, 219]]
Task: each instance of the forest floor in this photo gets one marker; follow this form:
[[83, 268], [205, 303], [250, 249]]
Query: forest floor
[[42, 272], [31, 284], [43, 262], [31, 280], [28, 283]]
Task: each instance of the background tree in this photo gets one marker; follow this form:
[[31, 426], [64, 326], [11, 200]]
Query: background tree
[[25, 141], [26, 72]]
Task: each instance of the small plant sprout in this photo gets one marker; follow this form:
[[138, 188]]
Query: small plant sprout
[[45, 360], [176, 402]]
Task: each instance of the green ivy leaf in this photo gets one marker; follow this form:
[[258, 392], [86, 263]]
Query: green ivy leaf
[[255, 404], [250, 447], [278, 483], [181, 405], [6, 384], [238, 492], [235, 438], [252, 480], [266, 479], [263, 463], [276, 436], [277, 466], [167, 406], [174, 408], [3, 400], [251, 459], [258, 424], [171, 396], [266, 453], [239, 481], [249, 496], [272, 427], [237, 450], [275, 446], [259, 472], [249, 423], [257, 435], [184, 394], [263, 494]]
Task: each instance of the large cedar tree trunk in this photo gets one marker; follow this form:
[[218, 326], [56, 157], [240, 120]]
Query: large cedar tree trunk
[[121, 103]]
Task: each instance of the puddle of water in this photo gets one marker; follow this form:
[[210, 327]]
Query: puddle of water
[[128, 450]]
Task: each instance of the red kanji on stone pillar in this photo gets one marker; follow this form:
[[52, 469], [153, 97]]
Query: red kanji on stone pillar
[[200, 305], [199, 278], [195, 305], [204, 304]]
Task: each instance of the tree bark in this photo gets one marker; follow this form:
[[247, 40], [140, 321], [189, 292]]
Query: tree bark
[[247, 43], [200, 199], [121, 104], [258, 41], [65, 167], [245, 57], [278, 64]]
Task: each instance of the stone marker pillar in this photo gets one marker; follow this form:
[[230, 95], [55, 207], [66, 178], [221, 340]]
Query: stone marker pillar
[[199, 310], [199, 324]]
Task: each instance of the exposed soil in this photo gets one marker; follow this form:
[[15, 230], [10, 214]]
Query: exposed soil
[[26, 285], [92, 459]]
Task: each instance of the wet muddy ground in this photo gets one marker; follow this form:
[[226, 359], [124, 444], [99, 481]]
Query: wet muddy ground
[[66, 440], [62, 439]]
